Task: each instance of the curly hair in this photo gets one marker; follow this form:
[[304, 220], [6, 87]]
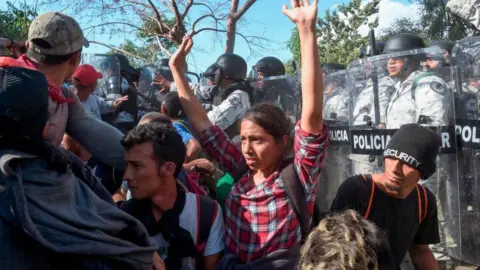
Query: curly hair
[[167, 144], [342, 241]]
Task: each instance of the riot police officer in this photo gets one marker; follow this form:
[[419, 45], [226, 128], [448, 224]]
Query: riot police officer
[[271, 85], [335, 100], [268, 67], [364, 114], [127, 112], [441, 56], [113, 87], [233, 95], [420, 97]]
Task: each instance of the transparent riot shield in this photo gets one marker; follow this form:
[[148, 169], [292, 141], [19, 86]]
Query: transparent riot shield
[[337, 166], [147, 92], [284, 91], [398, 91], [364, 90], [109, 66], [466, 56]]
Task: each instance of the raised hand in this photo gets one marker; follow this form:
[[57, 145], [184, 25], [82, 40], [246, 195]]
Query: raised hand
[[178, 59], [302, 12], [164, 85]]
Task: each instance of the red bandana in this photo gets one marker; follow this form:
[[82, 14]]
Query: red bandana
[[55, 92]]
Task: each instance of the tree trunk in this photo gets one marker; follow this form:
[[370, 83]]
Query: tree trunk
[[231, 32]]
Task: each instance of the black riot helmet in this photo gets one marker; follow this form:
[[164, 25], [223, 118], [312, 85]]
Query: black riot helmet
[[406, 42], [270, 66], [403, 42], [332, 67], [231, 66], [210, 71], [366, 51], [442, 44]]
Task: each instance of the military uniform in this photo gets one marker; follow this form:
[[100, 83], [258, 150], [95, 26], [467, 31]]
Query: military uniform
[[363, 110], [422, 98]]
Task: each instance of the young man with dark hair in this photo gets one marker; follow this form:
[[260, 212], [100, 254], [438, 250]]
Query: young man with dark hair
[[53, 213], [172, 108], [187, 227], [54, 48], [394, 200]]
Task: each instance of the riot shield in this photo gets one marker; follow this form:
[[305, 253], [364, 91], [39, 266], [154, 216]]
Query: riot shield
[[466, 55], [407, 94], [284, 91], [337, 166], [147, 92], [109, 66], [366, 85]]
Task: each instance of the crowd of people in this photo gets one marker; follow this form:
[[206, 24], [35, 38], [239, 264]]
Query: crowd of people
[[216, 175]]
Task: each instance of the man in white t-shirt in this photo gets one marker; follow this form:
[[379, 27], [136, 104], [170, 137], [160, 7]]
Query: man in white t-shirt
[[188, 228]]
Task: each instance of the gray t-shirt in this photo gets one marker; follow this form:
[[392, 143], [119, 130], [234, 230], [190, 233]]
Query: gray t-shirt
[[98, 138]]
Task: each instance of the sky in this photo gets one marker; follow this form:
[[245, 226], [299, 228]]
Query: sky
[[264, 18]]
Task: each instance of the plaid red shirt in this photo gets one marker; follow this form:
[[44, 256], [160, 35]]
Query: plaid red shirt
[[259, 219]]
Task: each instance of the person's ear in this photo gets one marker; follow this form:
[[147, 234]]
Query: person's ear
[[75, 58], [168, 169]]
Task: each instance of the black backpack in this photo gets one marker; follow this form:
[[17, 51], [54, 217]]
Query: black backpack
[[297, 197]]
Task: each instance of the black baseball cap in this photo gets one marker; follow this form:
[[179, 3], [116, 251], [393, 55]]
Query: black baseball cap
[[23, 99], [171, 102]]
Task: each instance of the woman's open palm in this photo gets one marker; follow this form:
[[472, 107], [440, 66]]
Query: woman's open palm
[[178, 58], [302, 12]]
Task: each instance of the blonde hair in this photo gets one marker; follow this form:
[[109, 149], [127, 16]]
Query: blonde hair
[[342, 241]]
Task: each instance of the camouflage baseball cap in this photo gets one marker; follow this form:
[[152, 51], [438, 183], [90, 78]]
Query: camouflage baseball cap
[[60, 34]]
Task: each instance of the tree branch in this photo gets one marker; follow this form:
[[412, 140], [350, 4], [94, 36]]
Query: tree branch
[[138, 3], [160, 45], [201, 18], [204, 5], [234, 7], [238, 14], [157, 15], [118, 49], [176, 12], [187, 8], [109, 23]]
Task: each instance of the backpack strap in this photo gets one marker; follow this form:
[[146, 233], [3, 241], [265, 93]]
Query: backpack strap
[[422, 211], [372, 192], [207, 211], [296, 195]]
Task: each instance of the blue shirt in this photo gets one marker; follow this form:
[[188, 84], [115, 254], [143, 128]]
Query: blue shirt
[[184, 129]]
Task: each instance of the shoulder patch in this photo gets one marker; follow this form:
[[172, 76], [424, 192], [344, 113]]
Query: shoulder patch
[[234, 100], [438, 87]]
